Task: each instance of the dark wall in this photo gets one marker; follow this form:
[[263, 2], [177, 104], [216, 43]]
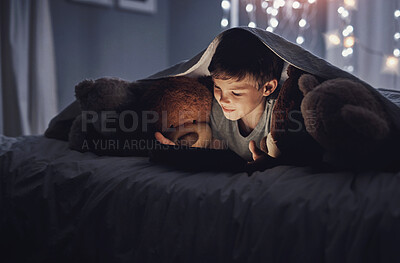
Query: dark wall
[[92, 41], [193, 25]]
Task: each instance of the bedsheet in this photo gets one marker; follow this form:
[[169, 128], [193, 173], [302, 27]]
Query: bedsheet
[[59, 205]]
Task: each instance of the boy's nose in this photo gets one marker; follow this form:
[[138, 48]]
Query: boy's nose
[[224, 99]]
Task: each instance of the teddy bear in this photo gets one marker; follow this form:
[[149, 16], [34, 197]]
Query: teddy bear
[[120, 117], [348, 121], [337, 122]]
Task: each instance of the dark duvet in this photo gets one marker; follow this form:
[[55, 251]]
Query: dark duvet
[[59, 205]]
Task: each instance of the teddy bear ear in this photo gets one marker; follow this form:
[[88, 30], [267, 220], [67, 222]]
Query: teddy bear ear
[[307, 83], [83, 88]]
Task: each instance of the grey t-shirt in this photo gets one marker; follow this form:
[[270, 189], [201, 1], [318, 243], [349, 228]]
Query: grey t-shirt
[[228, 131]]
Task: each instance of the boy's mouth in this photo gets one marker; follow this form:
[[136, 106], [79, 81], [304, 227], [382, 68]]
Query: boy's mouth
[[227, 110]]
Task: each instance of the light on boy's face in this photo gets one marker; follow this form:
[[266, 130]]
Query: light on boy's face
[[238, 98]]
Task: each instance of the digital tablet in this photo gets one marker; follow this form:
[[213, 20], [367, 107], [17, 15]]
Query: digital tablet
[[197, 159]]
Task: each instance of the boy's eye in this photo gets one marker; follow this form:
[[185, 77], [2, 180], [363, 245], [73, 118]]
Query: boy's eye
[[236, 94]]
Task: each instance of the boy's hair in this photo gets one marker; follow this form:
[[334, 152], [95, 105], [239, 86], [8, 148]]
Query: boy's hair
[[241, 54]]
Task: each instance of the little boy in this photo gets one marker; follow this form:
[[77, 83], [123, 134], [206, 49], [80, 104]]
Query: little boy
[[246, 75]]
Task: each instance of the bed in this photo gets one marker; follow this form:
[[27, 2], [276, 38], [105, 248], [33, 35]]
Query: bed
[[60, 205]]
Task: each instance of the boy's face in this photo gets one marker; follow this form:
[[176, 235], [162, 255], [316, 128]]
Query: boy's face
[[237, 98]]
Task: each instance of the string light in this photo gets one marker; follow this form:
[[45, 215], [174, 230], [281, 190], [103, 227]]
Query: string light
[[249, 8], [334, 39], [392, 61], [347, 52], [296, 5], [299, 14], [348, 30], [279, 3], [349, 42], [349, 68], [345, 13], [225, 4], [274, 12], [226, 8], [346, 38], [264, 4], [274, 22], [391, 65], [279, 13], [302, 22], [224, 22], [300, 40], [252, 24]]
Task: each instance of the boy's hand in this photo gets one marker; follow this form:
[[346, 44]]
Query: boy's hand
[[257, 153], [162, 139], [261, 160]]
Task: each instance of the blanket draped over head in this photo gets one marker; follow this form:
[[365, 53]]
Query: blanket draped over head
[[198, 66]]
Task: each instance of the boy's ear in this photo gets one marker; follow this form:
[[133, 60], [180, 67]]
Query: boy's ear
[[270, 87]]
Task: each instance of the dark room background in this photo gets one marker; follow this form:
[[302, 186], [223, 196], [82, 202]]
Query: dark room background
[[48, 46], [92, 41]]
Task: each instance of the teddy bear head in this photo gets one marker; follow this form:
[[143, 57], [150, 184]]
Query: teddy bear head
[[181, 107], [343, 116], [105, 94]]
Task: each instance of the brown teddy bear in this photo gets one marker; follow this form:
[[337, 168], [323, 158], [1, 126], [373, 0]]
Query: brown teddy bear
[[120, 117], [338, 122], [349, 122]]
